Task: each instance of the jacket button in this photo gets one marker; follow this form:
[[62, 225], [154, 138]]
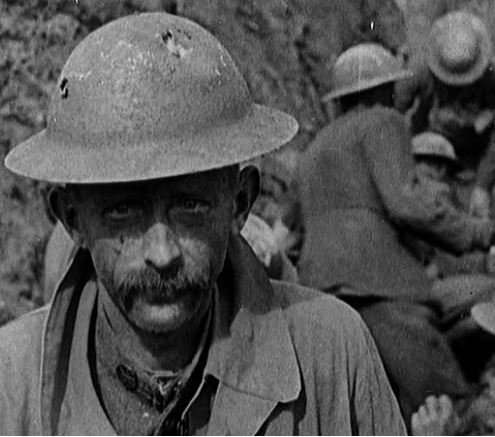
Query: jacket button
[[127, 377]]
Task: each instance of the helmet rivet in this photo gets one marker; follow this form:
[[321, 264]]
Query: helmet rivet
[[64, 90], [174, 47], [166, 36]]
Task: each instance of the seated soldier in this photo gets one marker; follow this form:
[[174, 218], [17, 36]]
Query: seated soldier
[[434, 158], [459, 280], [435, 165]]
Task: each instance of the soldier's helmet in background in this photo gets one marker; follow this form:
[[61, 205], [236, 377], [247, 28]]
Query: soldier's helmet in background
[[362, 67], [459, 48], [433, 144]]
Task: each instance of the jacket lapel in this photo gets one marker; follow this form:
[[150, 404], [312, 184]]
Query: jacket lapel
[[252, 356], [58, 334]]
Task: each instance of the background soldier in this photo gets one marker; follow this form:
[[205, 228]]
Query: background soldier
[[454, 91], [434, 156], [361, 196], [435, 161]]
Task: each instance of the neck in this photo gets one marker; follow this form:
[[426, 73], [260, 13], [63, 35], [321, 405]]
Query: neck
[[149, 350]]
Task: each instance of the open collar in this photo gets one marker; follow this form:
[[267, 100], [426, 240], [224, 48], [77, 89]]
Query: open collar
[[251, 354], [252, 350]]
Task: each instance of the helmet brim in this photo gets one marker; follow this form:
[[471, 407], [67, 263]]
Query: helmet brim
[[261, 131], [484, 315], [367, 84]]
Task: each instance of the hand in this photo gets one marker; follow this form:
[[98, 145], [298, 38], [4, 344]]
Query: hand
[[435, 417], [432, 271], [479, 205], [483, 121]]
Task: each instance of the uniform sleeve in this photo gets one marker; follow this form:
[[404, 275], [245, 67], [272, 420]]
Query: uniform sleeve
[[376, 408], [425, 210]]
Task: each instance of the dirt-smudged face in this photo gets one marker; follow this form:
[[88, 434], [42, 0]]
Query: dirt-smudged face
[[158, 246]]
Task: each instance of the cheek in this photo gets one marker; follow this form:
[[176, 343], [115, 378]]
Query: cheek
[[112, 259], [207, 250]]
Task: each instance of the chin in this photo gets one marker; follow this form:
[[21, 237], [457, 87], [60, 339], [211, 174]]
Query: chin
[[161, 318]]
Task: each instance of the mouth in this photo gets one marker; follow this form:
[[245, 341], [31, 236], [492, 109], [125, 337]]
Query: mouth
[[159, 302], [157, 317], [149, 288], [155, 298]]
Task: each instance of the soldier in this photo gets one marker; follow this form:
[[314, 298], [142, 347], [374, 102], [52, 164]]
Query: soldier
[[165, 322], [436, 165], [434, 156], [359, 195], [454, 87], [435, 161], [460, 281]]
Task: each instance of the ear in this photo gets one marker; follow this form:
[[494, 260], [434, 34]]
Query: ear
[[246, 193], [63, 206]]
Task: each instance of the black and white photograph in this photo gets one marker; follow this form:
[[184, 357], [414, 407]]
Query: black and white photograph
[[247, 217]]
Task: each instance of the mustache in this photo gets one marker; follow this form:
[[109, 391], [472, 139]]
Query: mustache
[[156, 288]]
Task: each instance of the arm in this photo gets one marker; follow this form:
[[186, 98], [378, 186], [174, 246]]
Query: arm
[[410, 203]]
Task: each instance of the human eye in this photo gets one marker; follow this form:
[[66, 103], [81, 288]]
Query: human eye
[[123, 210], [193, 206]]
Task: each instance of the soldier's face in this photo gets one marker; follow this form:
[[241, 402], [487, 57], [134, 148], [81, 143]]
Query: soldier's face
[[158, 247]]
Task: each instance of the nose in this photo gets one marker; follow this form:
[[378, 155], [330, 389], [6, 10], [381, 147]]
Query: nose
[[161, 250]]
